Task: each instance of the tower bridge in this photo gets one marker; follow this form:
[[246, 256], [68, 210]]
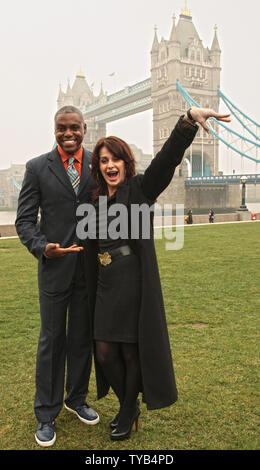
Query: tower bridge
[[183, 73], [130, 100], [182, 57]]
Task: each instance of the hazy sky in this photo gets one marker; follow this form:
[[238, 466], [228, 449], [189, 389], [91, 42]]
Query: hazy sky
[[45, 43]]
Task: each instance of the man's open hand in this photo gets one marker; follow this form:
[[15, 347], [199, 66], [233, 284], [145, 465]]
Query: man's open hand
[[53, 250]]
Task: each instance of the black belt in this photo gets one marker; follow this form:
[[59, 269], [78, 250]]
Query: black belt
[[107, 257]]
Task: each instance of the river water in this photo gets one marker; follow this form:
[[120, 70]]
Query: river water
[[8, 217]]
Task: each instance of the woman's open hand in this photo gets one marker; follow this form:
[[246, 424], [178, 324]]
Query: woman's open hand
[[201, 115]]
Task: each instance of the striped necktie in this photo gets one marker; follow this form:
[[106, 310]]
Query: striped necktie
[[73, 175]]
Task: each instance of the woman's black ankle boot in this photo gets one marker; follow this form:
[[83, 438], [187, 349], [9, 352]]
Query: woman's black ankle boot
[[127, 417], [114, 422]]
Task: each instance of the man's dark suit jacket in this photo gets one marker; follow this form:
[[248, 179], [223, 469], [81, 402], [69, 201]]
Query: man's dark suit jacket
[[47, 186]]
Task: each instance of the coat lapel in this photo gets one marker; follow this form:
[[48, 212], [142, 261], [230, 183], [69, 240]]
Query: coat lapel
[[56, 166], [85, 172], [122, 194]]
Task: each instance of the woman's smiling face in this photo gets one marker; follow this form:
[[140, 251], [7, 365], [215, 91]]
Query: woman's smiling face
[[112, 169]]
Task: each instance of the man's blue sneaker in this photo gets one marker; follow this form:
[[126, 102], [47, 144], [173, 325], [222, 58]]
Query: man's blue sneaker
[[84, 413], [45, 435]]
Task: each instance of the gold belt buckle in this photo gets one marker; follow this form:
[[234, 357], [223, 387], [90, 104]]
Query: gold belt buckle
[[104, 258]]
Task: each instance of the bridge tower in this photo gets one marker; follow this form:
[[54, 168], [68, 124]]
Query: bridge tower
[[81, 96], [183, 57]]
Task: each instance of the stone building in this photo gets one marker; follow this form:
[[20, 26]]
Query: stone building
[[10, 181], [81, 95], [181, 57], [184, 58], [142, 160]]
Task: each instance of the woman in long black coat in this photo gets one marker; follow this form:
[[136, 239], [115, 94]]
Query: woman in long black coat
[[132, 350]]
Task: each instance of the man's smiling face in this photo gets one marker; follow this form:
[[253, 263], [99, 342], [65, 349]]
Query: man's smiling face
[[69, 131]]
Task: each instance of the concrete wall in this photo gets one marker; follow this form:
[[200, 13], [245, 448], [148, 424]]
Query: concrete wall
[[204, 218], [7, 231], [213, 196], [175, 192], [253, 193], [10, 231]]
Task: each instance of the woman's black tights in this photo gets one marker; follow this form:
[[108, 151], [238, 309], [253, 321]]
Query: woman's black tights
[[121, 367]]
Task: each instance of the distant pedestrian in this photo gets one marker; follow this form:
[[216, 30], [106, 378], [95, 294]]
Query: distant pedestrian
[[189, 217], [211, 216]]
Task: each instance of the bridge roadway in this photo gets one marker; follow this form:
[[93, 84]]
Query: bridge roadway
[[222, 179], [123, 103]]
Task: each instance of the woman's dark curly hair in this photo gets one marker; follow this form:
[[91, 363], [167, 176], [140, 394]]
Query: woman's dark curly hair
[[119, 149]]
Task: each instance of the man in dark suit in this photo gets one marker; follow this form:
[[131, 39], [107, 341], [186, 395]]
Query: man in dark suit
[[56, 183]]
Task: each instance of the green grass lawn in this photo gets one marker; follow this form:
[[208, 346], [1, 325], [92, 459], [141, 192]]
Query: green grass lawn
[[212, 299]]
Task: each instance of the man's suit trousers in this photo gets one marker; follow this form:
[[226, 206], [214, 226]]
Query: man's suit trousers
[[66, 334]]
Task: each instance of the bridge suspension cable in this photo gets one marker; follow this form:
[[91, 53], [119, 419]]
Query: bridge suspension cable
[[232, 107], [191, 101], [17, 185]]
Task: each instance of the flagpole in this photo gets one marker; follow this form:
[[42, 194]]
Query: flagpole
[[113, 74]]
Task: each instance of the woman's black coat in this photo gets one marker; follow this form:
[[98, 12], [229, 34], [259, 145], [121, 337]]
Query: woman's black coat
[[159, 388]]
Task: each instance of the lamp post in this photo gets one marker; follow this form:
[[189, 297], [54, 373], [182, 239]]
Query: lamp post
[[243, 207]]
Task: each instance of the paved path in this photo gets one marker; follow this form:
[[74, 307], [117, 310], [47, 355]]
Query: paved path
[[186, 225]]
